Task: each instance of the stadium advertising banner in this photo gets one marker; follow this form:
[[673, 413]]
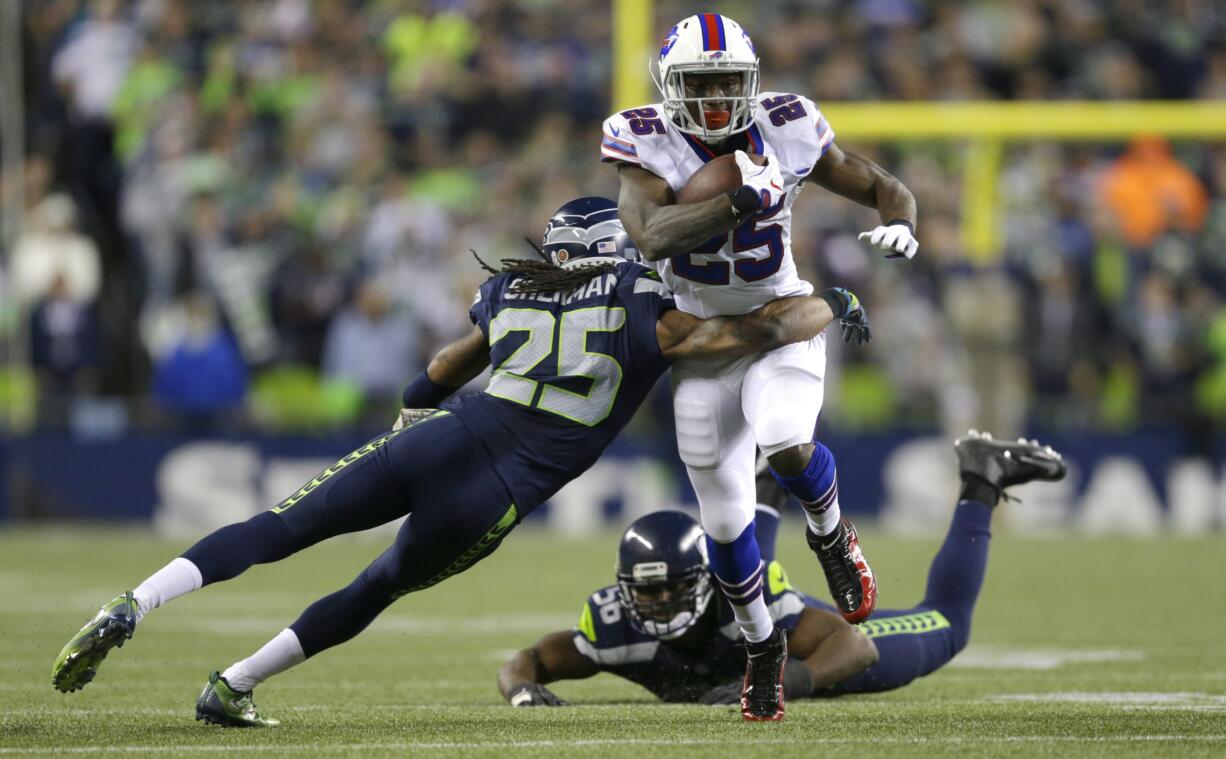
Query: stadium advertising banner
[[1137, 484]]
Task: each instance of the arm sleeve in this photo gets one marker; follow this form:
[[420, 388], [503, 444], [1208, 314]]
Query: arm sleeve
[[797, 129], [825, 133], [618, 142], [481, 311], [646, 299]]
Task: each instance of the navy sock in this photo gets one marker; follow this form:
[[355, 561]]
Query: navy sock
[[738, 566], [817, 487], [230, 551], [915, 642]]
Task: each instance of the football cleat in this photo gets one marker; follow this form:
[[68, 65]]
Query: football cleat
[[762, 691], [851, 580], [1001, 464], [220, 704], [78, 661]]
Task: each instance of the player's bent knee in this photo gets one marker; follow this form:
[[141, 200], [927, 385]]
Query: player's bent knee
[[791, 461], [725, 527]]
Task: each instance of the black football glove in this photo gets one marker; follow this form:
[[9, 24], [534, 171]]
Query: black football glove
[[534, 694], [851, 315], [729, 693]]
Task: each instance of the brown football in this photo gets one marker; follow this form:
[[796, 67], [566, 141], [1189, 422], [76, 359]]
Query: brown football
[[718, 176]]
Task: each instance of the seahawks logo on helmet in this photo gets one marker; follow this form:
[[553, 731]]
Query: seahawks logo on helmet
[[587, 228]]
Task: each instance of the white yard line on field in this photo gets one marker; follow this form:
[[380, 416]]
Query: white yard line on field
[[1002, 657], [580, 743]]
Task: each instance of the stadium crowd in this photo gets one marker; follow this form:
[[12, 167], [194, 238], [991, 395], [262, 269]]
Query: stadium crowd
[[263, 210]]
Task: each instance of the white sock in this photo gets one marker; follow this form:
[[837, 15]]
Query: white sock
[[825, 523], [754, 619], [277, 655], [178, 578]]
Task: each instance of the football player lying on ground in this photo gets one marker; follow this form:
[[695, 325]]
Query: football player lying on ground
[[666, 626], [576, 342]]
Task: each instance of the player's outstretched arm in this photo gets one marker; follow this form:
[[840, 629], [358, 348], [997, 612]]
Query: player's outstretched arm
[[831, 648], [783, 321], [452, 368], [659, 227], [554, 657], [857, 178]]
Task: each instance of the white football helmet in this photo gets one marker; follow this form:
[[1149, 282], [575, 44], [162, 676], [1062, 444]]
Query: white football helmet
[[707, 43]]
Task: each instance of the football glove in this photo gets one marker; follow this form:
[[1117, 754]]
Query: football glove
[[534, 694], [764, 180], [895, 237], [851, 315], [410, 416]]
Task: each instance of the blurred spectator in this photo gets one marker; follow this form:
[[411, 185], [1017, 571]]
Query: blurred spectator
[[373, 347], [1150, 192], [273, 152], [306, 292], [64, 351], [52, 249], [200, 379], [92, 65]]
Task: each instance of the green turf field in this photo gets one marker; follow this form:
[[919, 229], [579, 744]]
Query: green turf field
[[1100, 648]]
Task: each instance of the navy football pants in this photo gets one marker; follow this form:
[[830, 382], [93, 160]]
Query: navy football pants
[[435, 472], [917, 641]]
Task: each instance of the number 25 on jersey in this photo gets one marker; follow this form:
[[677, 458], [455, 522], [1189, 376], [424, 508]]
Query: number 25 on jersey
[[529, 374]]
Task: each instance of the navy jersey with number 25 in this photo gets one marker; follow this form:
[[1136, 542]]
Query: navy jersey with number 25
[[569, 369]]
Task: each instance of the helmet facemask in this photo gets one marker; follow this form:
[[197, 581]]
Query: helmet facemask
[[664, 606], [672, 85]]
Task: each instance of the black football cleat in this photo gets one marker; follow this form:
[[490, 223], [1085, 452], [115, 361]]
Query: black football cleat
[[762, 691], [848, 575], [1002, 464]]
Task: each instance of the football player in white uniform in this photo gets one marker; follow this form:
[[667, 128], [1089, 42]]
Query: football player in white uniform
[[731, 255]]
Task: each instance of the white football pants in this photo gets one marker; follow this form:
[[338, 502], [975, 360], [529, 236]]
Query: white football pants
[[725, 408]]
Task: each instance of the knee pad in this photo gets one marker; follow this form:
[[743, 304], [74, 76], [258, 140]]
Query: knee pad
[[698, 440]]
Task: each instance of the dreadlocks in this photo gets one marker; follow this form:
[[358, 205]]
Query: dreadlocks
[[543, 276]]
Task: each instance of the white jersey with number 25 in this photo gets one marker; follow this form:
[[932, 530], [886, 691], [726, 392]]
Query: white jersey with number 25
[[737, 272]]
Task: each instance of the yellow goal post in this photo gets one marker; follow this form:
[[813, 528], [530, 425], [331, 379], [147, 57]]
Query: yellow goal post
[[985, 127]]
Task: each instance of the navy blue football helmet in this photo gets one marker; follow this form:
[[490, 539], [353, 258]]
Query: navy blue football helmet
[[587, 228], [663, 573]]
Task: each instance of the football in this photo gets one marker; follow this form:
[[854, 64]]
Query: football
[[718, 176]]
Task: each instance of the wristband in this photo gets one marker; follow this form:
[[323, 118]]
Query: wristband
[[910, 227], [424, 392], [744, 200], [836, 300], [798, 680]]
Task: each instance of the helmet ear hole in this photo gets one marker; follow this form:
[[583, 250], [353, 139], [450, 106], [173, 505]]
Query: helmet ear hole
[[663, 575]]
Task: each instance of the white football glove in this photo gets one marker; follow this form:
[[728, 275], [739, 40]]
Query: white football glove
[[765, 180], [410, 416], [896, 238]]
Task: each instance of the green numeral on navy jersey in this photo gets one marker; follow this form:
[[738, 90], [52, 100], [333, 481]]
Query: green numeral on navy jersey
[[508, 382], [574, 360]]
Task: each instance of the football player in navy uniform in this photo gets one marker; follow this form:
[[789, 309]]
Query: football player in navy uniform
[[667, 626], [576, 341]]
